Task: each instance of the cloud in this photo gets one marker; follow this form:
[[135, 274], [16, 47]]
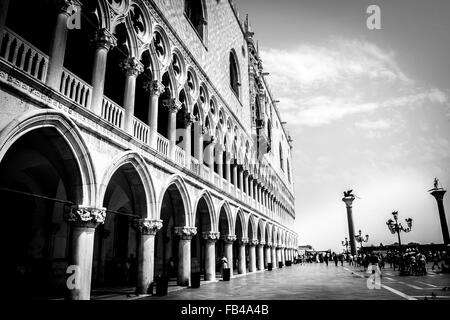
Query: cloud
[[374, 125], [320, 84]]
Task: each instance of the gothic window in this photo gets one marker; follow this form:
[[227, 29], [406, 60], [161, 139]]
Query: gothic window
[[234, 74], [193, 9]]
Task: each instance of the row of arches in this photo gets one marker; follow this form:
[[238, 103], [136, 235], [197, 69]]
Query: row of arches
[[46, 169]]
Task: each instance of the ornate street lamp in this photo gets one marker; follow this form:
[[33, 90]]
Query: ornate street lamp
[[359, 238], [396, 227]]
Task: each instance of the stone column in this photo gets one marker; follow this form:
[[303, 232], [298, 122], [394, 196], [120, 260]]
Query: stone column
[[172, 105], [84, 220], [188, 122], [147, 230], [279, 254], [241, 178], [229, 239], [250, 188], [155, 88], [184, 254], [210, 154], [267, 255], [438, 194], [351, 228], [274, 260], [228, 171], [242, 263], [260, 255], [132, 67], [234, 169], [58, 44], [103, 41], [252, 256], [210, 257], [199, 132], [219, 160]]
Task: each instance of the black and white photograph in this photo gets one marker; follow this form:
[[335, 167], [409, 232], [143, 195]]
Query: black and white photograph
[[203, 151]]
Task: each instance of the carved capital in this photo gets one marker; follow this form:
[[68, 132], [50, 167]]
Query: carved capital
[[154, 87], [243, 241], [348, 201], [189, 119], [269, 244], [229, 238], [102, 38], [211, 236], [254, 242], [204, 130], [262, 243], [186, 233], [172, 105], [148, 227], [131, 66], [86, 217]]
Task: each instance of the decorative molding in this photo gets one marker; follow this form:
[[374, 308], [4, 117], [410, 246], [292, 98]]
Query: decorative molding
[[149, 227], [228, 238], [186, 233], [131, 66], [87, 217], [172, 105], [211, 236]]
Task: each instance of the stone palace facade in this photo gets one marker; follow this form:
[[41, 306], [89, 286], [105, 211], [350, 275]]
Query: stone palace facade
[[137, 138]]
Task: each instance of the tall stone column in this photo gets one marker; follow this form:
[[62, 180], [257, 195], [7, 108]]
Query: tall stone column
[[260, 255], [351, 228], [199, 131], [155, 88], [250, 188], [58, 44], [242, 263], [252, 256], [241, 178], [147, 230], [229, 239], [84, 220], [132, 67], [219, 160], [188, 122], [274, 260], [227, 171], [234, 170], [246, 182], [279, 259], [267, 255], [103, 41], [438, 194], [210, 257], [210, 154], [173, 106], [184, 254]]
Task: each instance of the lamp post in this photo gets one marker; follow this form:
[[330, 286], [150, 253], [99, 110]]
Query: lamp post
[[396, 227], [359, 238]]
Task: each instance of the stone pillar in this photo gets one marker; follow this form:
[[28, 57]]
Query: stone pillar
[[58, 45], [155, 88], [250, 188], [199, 132], [147, 230], [242, 263], [188, 122], [172, 105], [219, 160], [84, 220], [246, 183], [210, 154], [234, 169], [267, 255], [260, 256], [279, 255], [229, 239], [210, 256], [103, 41], [184, 254], [132, 67], [252, 256], [274, 260], [241, 178], [438, 194], [351, 228], [227, 171]]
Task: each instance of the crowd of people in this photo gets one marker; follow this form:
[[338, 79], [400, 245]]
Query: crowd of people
[[411, 260]]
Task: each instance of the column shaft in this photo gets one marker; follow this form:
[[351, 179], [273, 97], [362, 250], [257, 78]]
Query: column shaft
[[146, 263], [184, 262], [210, 260], [260, 257], [242, 258], [229, 255]]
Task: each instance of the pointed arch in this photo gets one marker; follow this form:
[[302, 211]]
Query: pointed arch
[[206, 195], [224, 206], [180, 185]]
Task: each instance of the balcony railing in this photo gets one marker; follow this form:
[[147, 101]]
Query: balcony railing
[[205, 172], [217, 180], [180, 156], [195, 166], [162, 145], [112, 112], [141, 131], [23, 55], [75, 89]]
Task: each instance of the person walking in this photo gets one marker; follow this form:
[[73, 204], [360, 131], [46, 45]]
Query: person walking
[[335, 258], [436, 260]]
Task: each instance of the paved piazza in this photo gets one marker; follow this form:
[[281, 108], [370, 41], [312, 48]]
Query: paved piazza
[[317, 282]]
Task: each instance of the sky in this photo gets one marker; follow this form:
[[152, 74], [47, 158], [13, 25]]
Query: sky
[[368, 110]]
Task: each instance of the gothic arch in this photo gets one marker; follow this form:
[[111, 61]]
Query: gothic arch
[[231, 222], [211, 210], [178, 182]]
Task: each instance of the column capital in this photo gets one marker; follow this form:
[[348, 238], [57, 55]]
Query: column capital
[[131, 66], [154, 87], [211, 236], [438, 194], [186, 233], [228, 238], [84, 216], [149, 227], [348, 201], [254, 242], [243, 241], [189, 119], [262, 243], [172, 105], [102, 38], [269, 244]]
